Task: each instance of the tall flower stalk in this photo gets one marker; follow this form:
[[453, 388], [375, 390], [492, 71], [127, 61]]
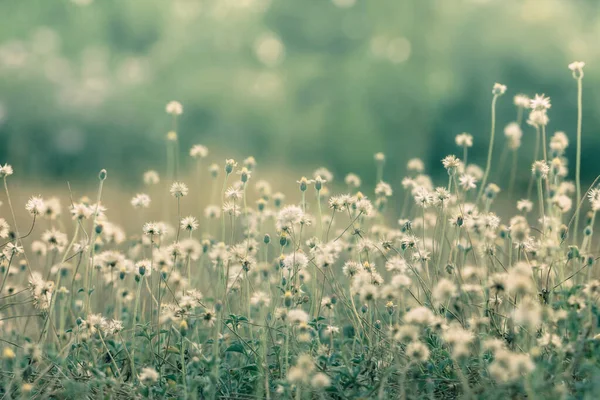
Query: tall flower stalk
[[498, 90], [576, 68]]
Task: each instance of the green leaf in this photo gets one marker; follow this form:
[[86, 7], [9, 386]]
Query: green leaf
[[250, 367], [237, 348]]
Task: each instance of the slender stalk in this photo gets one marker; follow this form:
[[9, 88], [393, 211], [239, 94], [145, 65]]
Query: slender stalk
[[490, 149], [578, 162], [133, 325]]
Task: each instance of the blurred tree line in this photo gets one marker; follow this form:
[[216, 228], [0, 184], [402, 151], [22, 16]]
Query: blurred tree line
[[83, 84]]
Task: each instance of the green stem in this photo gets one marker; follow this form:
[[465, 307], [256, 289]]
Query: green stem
[[578, 162], [490, 149]]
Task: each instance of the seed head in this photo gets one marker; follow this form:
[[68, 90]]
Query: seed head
[[498, 89], [5, 171], [174, 108], [179, 189], [198, 151], [540, 169]]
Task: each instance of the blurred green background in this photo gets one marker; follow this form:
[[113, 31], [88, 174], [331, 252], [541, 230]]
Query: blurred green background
[[83, 84]]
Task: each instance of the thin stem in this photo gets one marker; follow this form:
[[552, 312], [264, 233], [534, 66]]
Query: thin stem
[[578, 162], [490, 149]]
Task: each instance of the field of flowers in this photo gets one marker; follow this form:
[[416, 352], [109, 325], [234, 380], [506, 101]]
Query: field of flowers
[[326, 292]]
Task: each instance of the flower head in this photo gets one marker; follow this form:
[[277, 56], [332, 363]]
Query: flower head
[[174, 108], [498, 89], [577, 68], [198, 151], [5, 170], [179, 189]]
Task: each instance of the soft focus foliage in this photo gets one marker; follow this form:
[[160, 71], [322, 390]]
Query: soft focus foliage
[[305, 82]]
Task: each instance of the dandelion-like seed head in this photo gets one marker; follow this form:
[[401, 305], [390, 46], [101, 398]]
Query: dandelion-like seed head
[[464, 140], [174, 108], [199, 151], [35, 206], [540, 103], [189, 223], [5, 170], [540, 169], [522, 100], [179, 189]]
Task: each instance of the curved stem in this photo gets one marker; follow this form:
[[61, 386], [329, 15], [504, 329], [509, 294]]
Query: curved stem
[[490, 149]]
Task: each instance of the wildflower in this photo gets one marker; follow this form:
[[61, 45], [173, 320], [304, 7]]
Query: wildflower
[[364, 206], [440, 195], [250, 163], [513, 134], [296, 316], [352, 180], [52, 208], [528, 313], [415, 164], [304, 182], [540, 103], [141, 200], [594, 198], [467, 182], [320, 381], [55, 239], [464, 140], [540, 169], [383, 189], [538, 118], [245, 174], [419, 316], [209, 317], [212, 212], [379, 157], [559, 143], [179, 189], [524, 205], [444, 291], [151, 177], [491, 191], [295, 261], [417, 351], [152, 229], [331, 330], [189, 223], [324, 174], [4, 229], [498, 89], [230, 164], [148, 376], [231, 209], [260, 299], [521, 100], [422, 197], [577, 68], [198, 151], [5, 170], [174, 108], [35, 206], [8, 354], [213, 170], [233, 194], [288, 217]]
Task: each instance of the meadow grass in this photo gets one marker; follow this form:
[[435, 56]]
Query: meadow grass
[[310, 295]]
